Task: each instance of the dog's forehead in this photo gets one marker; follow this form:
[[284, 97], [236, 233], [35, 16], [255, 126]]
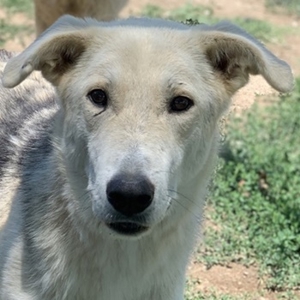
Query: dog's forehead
[[144, 53], [143, 42]]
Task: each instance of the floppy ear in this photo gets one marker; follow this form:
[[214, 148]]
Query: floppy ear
[[234, 55], [53, 52]]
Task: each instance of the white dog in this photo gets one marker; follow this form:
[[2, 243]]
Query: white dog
[[108, 171]]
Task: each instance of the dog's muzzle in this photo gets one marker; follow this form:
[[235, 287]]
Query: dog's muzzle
[[130, 195]]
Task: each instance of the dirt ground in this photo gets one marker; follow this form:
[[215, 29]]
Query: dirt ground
[[235, 279]]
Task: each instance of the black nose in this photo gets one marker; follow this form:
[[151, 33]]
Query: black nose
[[130, 194]]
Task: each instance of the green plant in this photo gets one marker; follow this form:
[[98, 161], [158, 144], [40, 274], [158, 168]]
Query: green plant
[[256, 197], [203, 14], [152, 11], [262, 30], [188, 11], [14, 6], [210, 295], [9, 31], [290, 6], [8, 28]]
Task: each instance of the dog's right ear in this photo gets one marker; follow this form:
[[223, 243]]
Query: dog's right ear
[[234, 55], [53, 53]]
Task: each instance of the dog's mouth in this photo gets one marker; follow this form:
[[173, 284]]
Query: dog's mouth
[[127, 228]]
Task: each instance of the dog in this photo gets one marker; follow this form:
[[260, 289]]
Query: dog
[[48, 11], [107, 160]]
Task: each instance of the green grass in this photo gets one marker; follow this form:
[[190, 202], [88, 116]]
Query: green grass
[[13, 6], [256, 195], [203, 14], [9, 30], [182, 13], [260, 29], [289, 6]]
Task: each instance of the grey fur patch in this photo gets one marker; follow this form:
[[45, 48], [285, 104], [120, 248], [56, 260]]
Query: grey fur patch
[[6, 55], [25, 117]]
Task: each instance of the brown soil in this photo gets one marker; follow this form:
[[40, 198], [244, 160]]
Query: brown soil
[[235, 279]]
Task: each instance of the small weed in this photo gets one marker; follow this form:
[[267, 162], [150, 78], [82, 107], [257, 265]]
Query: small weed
[[288, 296]]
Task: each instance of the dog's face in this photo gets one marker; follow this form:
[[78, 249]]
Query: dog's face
[[145, 112], [140, 109]]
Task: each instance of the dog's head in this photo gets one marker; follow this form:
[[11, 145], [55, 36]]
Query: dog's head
[[140, 102]]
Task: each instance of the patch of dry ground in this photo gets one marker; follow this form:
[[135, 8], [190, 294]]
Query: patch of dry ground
[[235, 279]]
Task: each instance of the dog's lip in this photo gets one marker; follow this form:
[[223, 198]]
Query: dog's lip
[[127, 227]]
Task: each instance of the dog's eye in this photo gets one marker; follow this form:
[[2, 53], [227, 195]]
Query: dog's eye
[[98, 97], [180, 103]]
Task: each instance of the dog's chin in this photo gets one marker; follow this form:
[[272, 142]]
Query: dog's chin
[[128, 229]]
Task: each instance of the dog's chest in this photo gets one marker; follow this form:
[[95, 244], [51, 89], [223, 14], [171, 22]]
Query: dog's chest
[[113, 276], [112, 272], [123, 271]]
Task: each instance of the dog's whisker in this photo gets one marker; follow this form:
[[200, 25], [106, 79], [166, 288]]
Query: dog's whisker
[[177, 201], [160, 171], [181, 195]]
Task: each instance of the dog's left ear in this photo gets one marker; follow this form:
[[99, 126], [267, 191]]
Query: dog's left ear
[[234, 55], [53, 53]]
